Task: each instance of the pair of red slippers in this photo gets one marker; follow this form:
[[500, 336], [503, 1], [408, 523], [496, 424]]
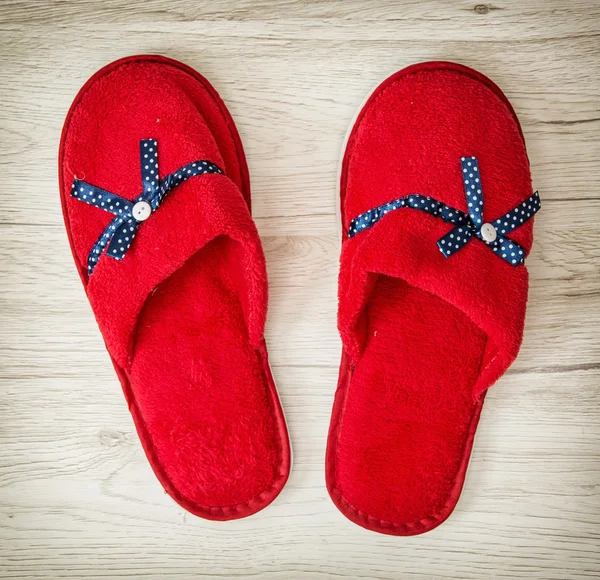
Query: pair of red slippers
[[436, 206]]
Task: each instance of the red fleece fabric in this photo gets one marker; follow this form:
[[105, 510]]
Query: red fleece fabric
[[423, 336], [183, 314]]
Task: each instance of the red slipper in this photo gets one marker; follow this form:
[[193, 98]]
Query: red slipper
[[175, 273], [431, 302]]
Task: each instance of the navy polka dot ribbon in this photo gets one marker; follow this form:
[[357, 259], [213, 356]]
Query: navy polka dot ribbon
[[466, 225], [119, 234]]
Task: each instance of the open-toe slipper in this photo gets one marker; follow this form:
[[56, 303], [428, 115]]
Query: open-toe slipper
[[156, 201], [436, 207]]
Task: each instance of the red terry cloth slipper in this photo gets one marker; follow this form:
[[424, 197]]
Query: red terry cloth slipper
[[156, 200], [436, 200]]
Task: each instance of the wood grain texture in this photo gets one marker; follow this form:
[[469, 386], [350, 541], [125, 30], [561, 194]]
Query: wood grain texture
[[77, 497]]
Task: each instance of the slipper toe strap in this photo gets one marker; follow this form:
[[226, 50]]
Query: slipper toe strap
[[491, 291], [200, 210]]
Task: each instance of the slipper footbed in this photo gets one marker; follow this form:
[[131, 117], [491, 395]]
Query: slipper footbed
[[405, 424], [200, 384]]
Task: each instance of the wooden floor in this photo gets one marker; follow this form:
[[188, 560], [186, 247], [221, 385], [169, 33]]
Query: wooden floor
[[77, 497]]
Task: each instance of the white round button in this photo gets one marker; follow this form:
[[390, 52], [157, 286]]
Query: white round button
[[141, 211], [488, 233]]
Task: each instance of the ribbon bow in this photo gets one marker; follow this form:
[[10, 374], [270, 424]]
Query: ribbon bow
[[466, 225], [120, 232]]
